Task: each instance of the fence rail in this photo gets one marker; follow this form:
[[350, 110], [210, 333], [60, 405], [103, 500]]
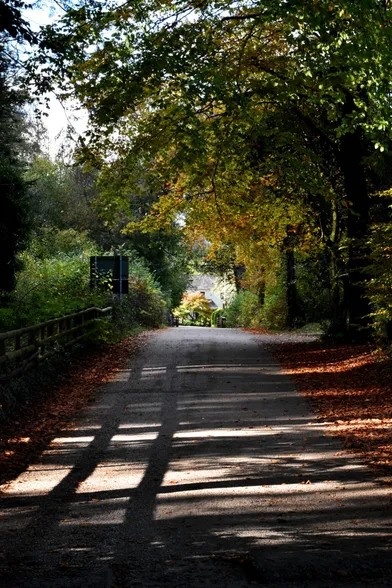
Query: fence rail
[[21, 348]]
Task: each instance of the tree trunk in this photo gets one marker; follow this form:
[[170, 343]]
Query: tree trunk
[[291, 284], [337, 274], [355, 303], [335, 291], [239, 271], [261, 294], [291, 289]]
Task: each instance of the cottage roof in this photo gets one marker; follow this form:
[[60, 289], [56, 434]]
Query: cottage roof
[[202, 283]]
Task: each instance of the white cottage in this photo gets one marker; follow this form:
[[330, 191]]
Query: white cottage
[[218, 290]]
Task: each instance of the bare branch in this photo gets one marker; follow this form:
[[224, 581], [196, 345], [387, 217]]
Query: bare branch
[[242, 16]]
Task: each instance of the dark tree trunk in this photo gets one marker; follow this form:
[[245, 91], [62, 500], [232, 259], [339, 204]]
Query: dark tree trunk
[[239, 271], [335, 290], [355, 303], [261, 294], [337, 273], [350, 152], [291, 289], [291, 284], [14, 228], [332, 242]]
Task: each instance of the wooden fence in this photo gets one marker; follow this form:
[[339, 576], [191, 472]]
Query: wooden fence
[[21, 348]]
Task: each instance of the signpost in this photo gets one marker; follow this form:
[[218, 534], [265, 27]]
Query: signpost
[[111, 271]]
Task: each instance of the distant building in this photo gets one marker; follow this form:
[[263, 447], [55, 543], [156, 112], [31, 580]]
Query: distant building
[[217, 290]]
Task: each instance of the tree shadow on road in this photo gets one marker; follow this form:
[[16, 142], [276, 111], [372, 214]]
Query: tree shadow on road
[[269, 499]]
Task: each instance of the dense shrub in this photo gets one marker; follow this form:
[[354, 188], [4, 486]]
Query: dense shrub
[[244, 310], [268, 308], [379, 287], [273, 314], [142, 307], [54, 280]]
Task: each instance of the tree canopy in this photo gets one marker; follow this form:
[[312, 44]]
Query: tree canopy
[[263, 124]]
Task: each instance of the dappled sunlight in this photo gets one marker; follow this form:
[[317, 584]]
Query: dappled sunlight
[[38, 481], [358, 423], [86, 427], [153, 372], [131, 438], [139, 426], [355, 361], [118, 477], [123, 375], [210, 433], [75, 442]]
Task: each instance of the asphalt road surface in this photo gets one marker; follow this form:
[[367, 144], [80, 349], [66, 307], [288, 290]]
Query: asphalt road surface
[[199, 467]]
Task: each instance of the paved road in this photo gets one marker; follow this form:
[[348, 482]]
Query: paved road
[[200, 467]]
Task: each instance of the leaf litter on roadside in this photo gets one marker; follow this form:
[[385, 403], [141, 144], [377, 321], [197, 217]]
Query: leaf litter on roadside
[[350, 386], [25, 436]]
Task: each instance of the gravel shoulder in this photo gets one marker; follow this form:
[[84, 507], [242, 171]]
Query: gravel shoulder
[[199, 466]]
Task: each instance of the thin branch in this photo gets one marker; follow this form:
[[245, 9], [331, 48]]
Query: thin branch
[[242, 16], [14, 59], [201, 194], [60, 5]]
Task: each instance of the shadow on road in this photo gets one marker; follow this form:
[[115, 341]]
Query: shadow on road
[[205, 473]]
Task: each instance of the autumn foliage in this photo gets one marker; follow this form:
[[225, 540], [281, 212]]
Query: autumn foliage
[[194, 309]]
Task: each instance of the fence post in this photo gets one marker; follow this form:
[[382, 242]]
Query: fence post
[[42, 337], [70, 336], [32, 338]]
